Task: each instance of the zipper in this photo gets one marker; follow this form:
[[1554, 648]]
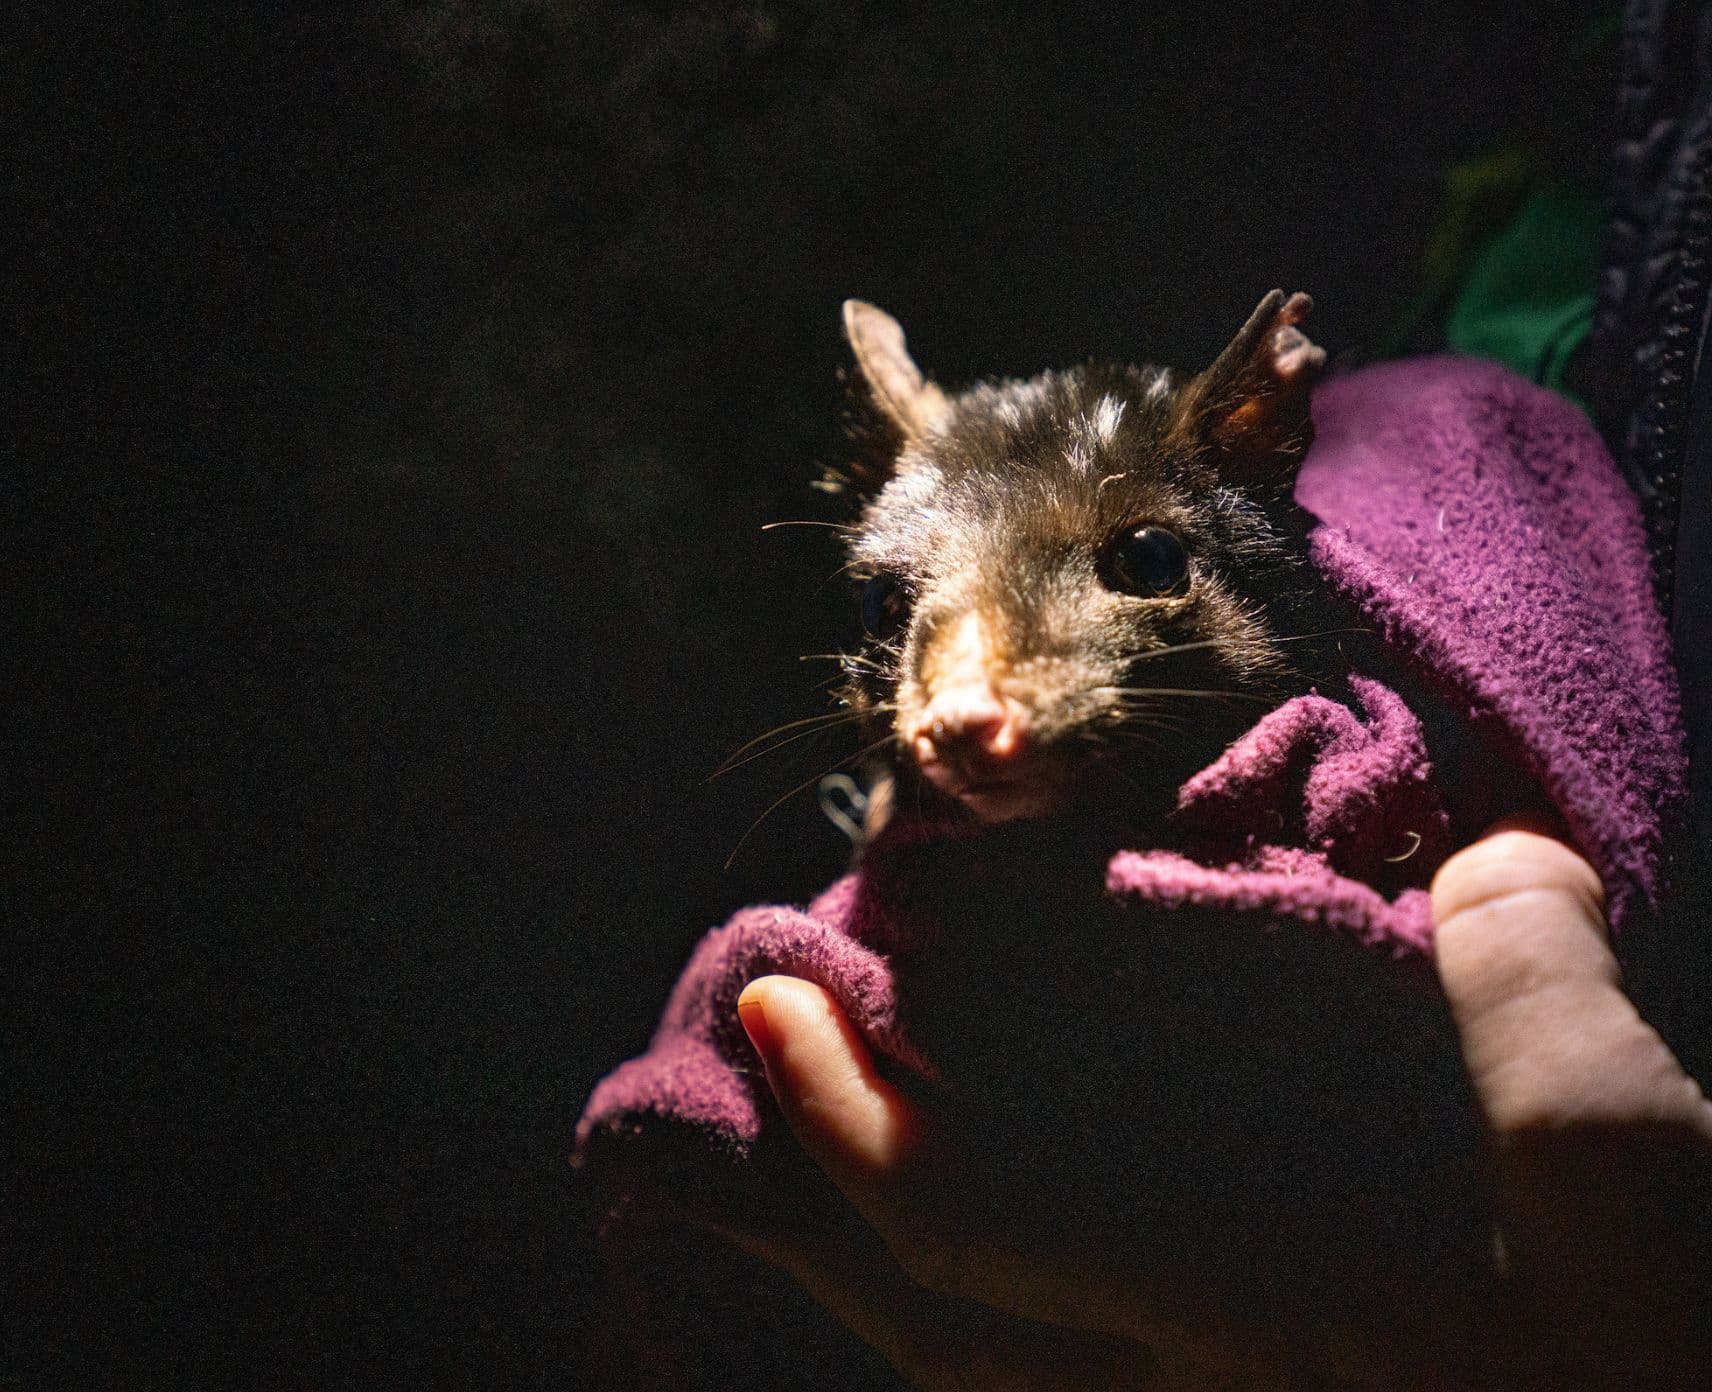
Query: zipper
[[1662, 423]]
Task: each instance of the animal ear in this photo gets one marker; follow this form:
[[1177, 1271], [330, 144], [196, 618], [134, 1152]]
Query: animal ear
[[896, 404], [1252, 403]]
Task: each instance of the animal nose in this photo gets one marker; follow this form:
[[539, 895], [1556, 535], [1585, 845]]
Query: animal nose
[[970, 725]]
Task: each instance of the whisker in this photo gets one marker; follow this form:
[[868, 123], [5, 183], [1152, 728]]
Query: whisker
[[801, 787], [837, 677], [734, 763], [1134, 691], [823, 718], [851, 659], [1132, 714], [844, 569], [1176, 648], [830, 526], [1148, 718], [1322, 633], [1142, 731], [1118, 771]]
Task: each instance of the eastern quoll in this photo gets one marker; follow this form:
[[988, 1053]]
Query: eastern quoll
[[1077, 590]]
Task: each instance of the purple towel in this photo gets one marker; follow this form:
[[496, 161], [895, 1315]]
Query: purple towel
[[1477, 522]]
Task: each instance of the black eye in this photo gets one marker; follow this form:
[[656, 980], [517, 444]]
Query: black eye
[[1148, 562], [885, 604]]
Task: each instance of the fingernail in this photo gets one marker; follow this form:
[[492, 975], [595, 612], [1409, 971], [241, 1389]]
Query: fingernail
[[754, 1018]]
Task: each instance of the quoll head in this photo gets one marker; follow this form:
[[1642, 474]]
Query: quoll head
[[1075, 585]]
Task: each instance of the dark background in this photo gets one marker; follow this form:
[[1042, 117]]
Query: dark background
[[395, 395]]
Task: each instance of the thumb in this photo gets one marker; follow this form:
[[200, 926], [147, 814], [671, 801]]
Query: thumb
[[1549, 1038], [850, 1119], [1603, 1143]]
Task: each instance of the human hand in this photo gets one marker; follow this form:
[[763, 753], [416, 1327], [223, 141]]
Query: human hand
[[954, 1292], [1598, 1134], [1602, 1143]]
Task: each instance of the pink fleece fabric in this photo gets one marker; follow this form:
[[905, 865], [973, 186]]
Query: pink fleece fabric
[[1479, 523]]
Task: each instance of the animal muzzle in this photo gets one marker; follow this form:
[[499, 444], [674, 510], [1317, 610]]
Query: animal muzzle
[[974, 743]]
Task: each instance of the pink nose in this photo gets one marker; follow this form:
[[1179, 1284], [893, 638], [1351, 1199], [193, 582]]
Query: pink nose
[[970, 726]]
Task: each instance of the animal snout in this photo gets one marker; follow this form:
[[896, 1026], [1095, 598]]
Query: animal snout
[[972, 728]]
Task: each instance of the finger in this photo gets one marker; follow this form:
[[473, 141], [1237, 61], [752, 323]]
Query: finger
[[1604, 1143], [868, 1138], [1517, 914], [927, 1209], [850, 1119], [1535, 992]]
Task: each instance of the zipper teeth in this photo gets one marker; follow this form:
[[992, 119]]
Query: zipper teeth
[[1664, 414]]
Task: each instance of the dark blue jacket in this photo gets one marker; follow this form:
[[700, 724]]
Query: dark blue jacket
[[1650, 358]]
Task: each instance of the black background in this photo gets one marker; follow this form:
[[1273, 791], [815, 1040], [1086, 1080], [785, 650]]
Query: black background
[[396, 396]]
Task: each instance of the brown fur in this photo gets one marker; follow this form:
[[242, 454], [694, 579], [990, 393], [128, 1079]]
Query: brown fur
[[1004, 504]]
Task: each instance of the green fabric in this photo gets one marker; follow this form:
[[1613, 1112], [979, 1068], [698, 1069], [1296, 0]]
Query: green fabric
[[1480, 196], [1508, 270], [1528, 298]]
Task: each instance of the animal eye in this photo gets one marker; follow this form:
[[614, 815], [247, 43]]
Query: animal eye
[[1149, 562], [885, 605]]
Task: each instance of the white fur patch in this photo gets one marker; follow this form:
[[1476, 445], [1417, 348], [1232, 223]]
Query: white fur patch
[[1091, 431], [1105, 419], [1021, 398], [909, 508], [915, 482], [1160, 384]]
